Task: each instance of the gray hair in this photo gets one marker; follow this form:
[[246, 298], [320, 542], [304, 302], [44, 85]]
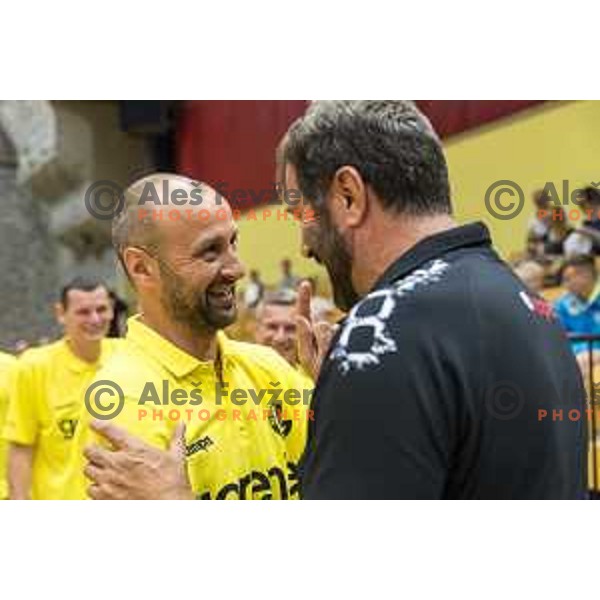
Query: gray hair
[[390, 143]]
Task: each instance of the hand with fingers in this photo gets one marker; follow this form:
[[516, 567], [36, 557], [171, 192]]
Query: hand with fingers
[[313, 338], [134, 469]]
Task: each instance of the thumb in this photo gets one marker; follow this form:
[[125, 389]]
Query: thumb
[[306, 344], [177, 444]]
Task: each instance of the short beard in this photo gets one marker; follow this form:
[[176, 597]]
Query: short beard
[[193, 310], [335, 253]]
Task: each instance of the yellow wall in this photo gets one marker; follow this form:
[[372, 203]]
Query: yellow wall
[[551, 143], [264, 242], [554, 142]]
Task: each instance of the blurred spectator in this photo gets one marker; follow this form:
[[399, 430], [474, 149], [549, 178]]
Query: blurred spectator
[[276, 324], [531, 274], [585, 240], [558, 232], [539, 224], [288, 280], [254, 290], [579, 309], [552, 242]]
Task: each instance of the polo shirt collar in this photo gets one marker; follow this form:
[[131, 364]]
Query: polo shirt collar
[[76, 364], [171, 357], [474, 234]]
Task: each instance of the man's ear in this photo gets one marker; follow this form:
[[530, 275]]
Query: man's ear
[[141, 266], [349, 197], [59, 313]]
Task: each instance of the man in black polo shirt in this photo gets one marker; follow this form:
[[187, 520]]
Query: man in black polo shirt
[[437, 382]]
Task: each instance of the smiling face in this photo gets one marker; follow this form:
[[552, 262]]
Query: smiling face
[[199, 268], [276, 327], [189, 274], [322, 241], [86, 315], [580, 281]]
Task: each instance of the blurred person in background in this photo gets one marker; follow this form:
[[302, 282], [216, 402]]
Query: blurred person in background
[[558, 232], [531, 274], [254, 291], [579, 308], [46, 394], [585, 240], [7, 362], [538, 226], [288, 281], [553, 242], [276, 324]]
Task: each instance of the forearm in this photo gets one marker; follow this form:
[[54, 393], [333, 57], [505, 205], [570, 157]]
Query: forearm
[[20, 463]]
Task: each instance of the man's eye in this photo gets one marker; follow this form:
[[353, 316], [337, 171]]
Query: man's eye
[[210, 253]]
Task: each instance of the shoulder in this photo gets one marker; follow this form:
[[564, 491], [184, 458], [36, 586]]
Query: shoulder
[[567, 304], [42, 356], [7, 360], [111, 345], [261, 359], [129, 370]]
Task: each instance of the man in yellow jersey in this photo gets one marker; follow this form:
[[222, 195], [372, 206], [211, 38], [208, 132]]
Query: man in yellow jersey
[[241, 403], [276, 324], [6, 363], [46, 394], [276, 327]]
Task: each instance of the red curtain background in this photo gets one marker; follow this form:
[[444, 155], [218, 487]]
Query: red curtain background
[[232, 142]]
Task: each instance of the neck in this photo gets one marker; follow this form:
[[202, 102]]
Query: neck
[[388, 240], [202, 346], [87, 351]]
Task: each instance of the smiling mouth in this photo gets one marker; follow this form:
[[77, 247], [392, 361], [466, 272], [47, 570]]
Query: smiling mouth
[[224, 298]]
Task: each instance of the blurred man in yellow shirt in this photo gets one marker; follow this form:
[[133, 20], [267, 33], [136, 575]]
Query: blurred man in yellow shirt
[[243, 437], [276, 327], [46, 395], [6, 363]]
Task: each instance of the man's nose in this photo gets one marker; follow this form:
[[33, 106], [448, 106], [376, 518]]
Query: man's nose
[[280, 335], [95, 318], [233, 270]]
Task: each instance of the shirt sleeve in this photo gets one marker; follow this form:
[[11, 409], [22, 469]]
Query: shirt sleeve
[[384, 426], [23, 416]]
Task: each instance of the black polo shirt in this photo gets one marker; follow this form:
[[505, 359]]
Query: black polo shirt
[[442, 382]]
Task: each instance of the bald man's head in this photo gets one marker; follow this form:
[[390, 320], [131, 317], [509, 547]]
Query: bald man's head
[[149, 207], [177, 241]]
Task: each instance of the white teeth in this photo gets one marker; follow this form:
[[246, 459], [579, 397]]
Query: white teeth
[[226, 295]]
